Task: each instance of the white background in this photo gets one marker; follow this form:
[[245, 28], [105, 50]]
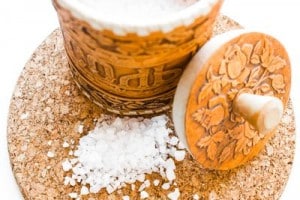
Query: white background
[[25, 24]]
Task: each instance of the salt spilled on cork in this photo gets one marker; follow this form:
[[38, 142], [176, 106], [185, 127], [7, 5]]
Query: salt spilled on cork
[[122, 151]]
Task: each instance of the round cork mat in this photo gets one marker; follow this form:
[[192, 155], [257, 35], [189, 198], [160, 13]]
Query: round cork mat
[[47, 107]]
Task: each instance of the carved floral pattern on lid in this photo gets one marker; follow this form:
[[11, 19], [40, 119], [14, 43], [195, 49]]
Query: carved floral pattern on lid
[[218, 137]]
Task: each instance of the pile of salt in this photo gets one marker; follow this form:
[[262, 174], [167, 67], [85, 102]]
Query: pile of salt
[[122, 151]]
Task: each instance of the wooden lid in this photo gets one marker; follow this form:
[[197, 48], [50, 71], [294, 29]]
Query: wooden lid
[[231, 98]]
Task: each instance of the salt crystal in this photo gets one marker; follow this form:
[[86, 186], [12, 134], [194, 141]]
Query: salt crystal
[[72, 182], [165, 186], [173, 141], [179, 155], [73, 161], [39, 84], [170, 164], [174, 195], [147, 183], [73, 195], [144, 195], [141, 177], [84, 190], [142, 187], [270, 150], [43, 173], [66, 165], [50, 154], [67, 92], [109, 189], [71, 153], [196, 197], [24, 116], [212, 195], [24, 147], [132, 187], [126, 198], [65, 144], [170, 175], [156, 182], [66, 180], [49, 142], [80, 128]]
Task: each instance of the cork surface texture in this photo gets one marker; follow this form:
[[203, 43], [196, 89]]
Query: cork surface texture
[[47, 107]]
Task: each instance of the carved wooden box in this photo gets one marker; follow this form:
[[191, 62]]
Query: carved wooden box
[[132, 74]]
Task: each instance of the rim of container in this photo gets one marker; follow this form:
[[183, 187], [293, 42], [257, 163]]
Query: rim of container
[[185, 17]]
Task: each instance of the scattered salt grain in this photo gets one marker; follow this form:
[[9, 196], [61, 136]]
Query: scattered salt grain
[[49, 142], [126, 198], [132, 187], [140, 177], [144, 195], [121, 151], [73, 195], [212, 195], [196, 197], [50, 154], [174, 195], [72, 141], [142, 187], [147, 183], [179, 155], [165, 186], [66, 180], [24, 116], [71, 153], [80, 128], [270, 150], [170, 169], [156, 182], [66, 165], [84, 190], [174, 140], [72, 181], [65, 144]]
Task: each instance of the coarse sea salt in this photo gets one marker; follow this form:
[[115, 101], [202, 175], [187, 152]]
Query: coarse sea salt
[[125, 197], [130, 10], [73, 195], [144, 195], [84, 190], [174, 195], [156, 182], [50, 154], [165, 186], [196, 197], [65, 144], [121, 151]]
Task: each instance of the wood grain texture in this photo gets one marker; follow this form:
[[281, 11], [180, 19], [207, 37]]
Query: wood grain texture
[[254, 63], [131, 74]]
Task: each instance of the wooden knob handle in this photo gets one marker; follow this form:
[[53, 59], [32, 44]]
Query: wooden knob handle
[[263, 112]]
